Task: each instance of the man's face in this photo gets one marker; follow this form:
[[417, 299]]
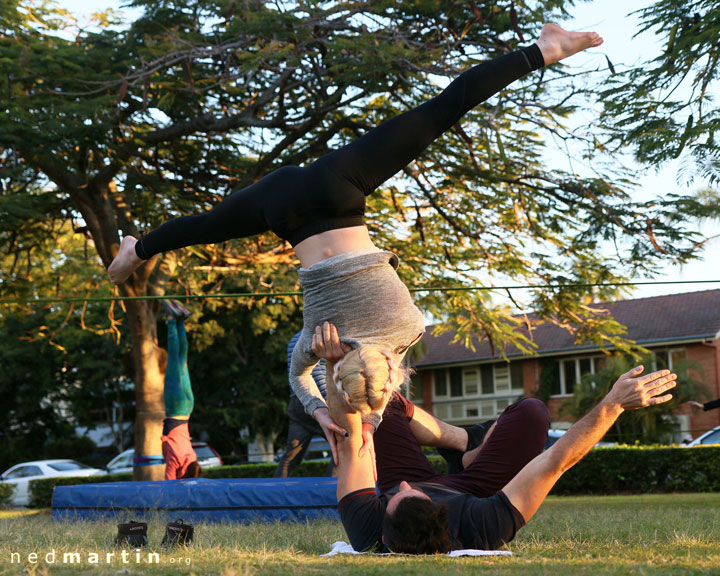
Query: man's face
[[405, 491]]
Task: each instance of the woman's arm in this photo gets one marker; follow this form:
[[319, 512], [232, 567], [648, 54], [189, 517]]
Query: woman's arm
[[712, 404], [302, 363], [307, 391]]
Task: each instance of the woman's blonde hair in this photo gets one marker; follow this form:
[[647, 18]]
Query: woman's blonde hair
[[367, 376]]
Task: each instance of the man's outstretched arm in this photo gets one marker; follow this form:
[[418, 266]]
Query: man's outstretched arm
[[354, 472], [533, 483]]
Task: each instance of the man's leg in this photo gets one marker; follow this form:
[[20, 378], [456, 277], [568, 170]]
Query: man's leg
[[518, 436], [299, 436], [397, 452]]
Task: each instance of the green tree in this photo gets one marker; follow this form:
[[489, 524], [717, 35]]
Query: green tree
[[665, 107], [121, 128], [62, 365], [238, 367]]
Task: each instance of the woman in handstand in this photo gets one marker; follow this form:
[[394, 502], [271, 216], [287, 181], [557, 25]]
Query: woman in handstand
[[319, 209]]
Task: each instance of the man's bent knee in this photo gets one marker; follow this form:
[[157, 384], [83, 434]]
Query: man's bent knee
[[534, 413]]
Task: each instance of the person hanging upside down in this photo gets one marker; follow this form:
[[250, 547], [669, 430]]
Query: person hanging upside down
[[505, 480], [319, 210], [180, 458]]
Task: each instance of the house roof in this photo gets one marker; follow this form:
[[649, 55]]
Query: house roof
[[693, 316]]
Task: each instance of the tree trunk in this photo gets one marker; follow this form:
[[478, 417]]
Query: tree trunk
[[149, 382], [95, 202]]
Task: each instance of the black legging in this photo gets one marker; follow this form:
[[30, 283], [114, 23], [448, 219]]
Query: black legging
[[296, 203]]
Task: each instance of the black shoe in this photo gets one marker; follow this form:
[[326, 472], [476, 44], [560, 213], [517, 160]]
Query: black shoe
[[178, 533], [453, 459], [133, 534], [476, 435]]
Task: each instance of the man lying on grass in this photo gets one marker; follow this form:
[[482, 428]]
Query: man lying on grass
[[416, 511]]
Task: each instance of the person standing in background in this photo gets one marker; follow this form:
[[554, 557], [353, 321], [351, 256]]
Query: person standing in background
[[302, 427]]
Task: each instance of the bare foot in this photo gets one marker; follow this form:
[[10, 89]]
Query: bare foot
[[556, 43], [125, 262]]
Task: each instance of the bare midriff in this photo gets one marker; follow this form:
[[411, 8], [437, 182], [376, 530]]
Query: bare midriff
[[331, 243]]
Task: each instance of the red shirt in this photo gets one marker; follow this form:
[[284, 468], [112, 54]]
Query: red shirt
[[178, 452]]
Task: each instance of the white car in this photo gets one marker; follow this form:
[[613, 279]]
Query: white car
[[21, 474], [207, 457], [554, 435], [710, 437]]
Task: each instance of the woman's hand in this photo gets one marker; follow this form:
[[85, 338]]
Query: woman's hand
[[326, 343], [322, 415]]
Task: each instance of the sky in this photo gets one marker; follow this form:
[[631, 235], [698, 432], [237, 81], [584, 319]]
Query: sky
[[610, 18]]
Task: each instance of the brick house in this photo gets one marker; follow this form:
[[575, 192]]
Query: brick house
[[464, 387]]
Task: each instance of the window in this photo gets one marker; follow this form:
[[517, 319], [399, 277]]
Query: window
[[25, 472], [498, 379], [502, 379], [440, 383], [572, 371], [471, 382], [203, 451], [667, 359], [17, 473], [713, 438], [569, 376], [488, 382], [448, 381], [456, 384], [516, 375], [66, 466]]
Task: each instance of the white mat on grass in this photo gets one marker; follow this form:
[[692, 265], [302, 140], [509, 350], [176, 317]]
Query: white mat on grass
[[345, 548]]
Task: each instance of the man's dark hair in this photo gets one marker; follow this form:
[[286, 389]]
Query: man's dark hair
[[418, 526]]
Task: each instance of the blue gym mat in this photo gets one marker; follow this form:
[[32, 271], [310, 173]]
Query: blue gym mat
[[221, 500]]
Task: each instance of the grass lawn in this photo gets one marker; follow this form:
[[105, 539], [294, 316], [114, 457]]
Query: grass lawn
[[658, 534]]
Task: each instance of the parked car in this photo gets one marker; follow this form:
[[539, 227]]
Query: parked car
[[21, 474], [554, 435], [207, 458], [710, 437], [319, 449]]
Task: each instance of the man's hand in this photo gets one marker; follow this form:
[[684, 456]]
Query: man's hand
[[632, 391], [322, 415]]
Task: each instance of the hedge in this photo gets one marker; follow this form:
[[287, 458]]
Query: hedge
[[6, 492], [622, 469], [41, 490], [266, 470], [642, 469]]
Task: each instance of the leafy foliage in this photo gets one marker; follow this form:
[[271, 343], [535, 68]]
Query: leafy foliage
[[6, 492], [664, 108]]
